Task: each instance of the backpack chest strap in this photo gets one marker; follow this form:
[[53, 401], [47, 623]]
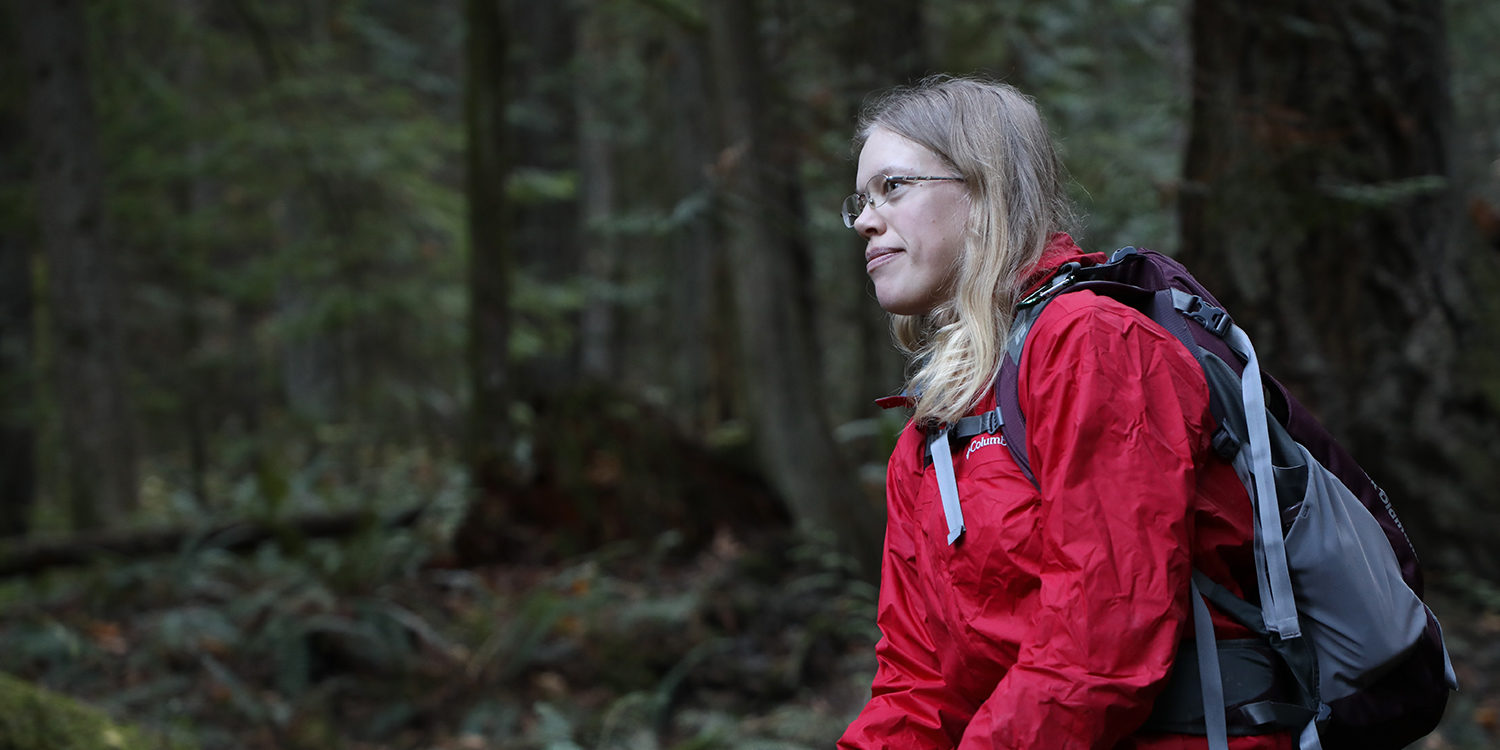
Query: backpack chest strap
[[966, 429]]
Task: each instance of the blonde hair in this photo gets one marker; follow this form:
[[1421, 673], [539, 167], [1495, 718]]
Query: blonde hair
[[993, 136]]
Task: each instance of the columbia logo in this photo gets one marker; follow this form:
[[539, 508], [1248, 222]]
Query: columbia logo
[[984, 441]]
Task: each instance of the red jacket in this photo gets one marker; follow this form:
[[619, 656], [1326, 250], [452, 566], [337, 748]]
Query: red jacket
[[1053, 621]]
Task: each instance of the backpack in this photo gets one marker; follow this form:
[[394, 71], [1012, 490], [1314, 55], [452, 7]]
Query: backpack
[[1348, 655]]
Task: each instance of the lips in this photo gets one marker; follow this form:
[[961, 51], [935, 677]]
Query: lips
[[876, 257]]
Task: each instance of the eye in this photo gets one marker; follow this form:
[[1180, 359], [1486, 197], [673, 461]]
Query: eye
[[891, 183]]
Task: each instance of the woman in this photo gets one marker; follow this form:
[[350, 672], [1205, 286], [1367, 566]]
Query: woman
[[1051, 618]]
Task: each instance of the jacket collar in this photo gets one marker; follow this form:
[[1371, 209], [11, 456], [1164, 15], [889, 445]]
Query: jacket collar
[[1060, 249]]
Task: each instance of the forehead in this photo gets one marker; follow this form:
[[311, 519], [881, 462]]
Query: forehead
[[886, 152]]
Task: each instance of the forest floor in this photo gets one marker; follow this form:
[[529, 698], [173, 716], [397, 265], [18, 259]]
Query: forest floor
[[371, 645]]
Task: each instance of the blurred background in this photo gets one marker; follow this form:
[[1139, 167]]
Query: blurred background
[[499, 374]]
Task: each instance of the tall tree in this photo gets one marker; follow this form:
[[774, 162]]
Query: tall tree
[[598, 323], [17, 404], [543, 69], [17, 417], [192, 196], [491, 437], [771, 273], [83, 289], [698, 373], [1316, 198]]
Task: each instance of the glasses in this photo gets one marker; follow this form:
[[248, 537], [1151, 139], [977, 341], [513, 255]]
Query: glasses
[[882, 189]]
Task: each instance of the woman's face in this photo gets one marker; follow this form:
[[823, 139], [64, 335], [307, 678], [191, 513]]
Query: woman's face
[[914, 230]]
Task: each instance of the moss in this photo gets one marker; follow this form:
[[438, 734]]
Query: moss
[[35, 719]]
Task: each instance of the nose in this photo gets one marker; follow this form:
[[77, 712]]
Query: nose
[[868, 223]]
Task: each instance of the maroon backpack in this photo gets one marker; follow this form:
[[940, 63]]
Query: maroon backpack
[[1359, 661]]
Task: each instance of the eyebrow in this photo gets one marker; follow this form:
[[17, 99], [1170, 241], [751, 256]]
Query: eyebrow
[[887, 170]]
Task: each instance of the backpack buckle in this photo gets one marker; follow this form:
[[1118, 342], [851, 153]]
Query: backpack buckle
[[1213, 319], [991, 421], [1062, 278]]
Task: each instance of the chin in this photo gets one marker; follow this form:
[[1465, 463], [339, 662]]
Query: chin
[[905, 307]]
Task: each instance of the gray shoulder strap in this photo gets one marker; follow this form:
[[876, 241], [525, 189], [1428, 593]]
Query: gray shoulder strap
[[942, 462], [1278, 605]]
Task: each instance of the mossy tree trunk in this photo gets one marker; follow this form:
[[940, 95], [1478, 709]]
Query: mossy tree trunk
[[1316, 202], [82, 279]]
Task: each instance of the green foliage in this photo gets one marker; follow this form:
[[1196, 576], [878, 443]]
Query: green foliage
[[236, 648], [284, 190], [529, 186], [628, 647], [664, 640], [35, 719]]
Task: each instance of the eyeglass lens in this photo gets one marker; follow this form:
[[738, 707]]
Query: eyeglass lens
[[874, 194]]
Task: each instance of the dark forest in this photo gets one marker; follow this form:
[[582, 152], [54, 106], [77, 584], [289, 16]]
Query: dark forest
[[475, 374]]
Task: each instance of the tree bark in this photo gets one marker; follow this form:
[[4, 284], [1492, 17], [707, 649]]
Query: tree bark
[[17, 238], [195, 381], [771, 272], [17, 386], [1316, 202], [548, 245], [82, 280], [599, 321], [700, 380], [491, 428]]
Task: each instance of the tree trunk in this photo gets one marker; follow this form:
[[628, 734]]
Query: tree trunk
[[83, 288], [771, 273], [548, 244], [599, 321], [699, 379], [195, 381], [491, 441], [1316, 203], [17, 238], [17, 405]]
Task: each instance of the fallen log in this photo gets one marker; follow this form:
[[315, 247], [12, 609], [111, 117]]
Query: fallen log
[[33, 555]]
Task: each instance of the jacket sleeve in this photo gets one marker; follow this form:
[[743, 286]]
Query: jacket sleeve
[[908, 702], [1116, 414]]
